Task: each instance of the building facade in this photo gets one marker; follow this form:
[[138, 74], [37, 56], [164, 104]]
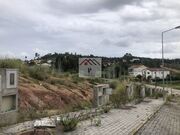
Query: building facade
[[136, 70], [8, 95], [154, 73]]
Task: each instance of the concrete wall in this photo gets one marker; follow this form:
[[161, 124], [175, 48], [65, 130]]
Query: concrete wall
[[136, 71], [8, 118], [144, 92], [8, 103], [8, 95], [155, 74], [101, 95]]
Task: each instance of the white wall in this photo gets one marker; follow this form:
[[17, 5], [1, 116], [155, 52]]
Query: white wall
[[155, 74], [137, 71]]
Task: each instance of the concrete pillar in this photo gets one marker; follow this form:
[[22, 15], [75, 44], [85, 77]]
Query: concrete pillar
[[150, 91], [128, 90], [95, 97], [143, 94]]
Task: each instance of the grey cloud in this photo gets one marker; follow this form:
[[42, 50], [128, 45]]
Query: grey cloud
[[101, 27], [120, 43], [92, 6]]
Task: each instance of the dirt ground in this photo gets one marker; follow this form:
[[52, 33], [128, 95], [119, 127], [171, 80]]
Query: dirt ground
[[37, 132]]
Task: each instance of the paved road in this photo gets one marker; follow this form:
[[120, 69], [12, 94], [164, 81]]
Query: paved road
[[165, 122], [119, 121]]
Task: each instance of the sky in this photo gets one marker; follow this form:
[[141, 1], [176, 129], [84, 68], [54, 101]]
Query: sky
[[99, 27]]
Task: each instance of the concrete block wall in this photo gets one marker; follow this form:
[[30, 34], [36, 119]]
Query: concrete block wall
[[8, 95], [144, 92], [101, 94]]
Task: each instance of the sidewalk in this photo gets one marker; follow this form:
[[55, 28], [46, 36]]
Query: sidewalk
[[165, 122], [116, 122], [119, 121]]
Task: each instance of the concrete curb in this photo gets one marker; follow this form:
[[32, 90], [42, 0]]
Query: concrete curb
[[135, 130]]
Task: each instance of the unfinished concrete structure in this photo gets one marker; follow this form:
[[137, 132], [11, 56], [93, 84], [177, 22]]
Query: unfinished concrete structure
[[144, 90], [8, 95], [101, 94]]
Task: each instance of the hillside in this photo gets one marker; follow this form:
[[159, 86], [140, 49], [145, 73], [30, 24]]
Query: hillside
[[52, 94], [41, 88]]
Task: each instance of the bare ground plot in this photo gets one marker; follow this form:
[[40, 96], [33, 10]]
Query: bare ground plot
[[165, 122]]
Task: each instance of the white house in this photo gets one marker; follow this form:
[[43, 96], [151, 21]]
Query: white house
[[155, 73], [136, 70], [135, 60]]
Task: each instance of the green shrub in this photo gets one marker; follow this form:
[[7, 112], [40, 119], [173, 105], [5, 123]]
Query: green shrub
[[38, 73], [113, 84], [69, 123], [56, 81], [169, 98], [10, 63], [14, 63], [97, 122], [119, 95], [96, 80], [160, 94], [106, 109], [76, 79], [66, 74], [53, 81], [156, 95], [82, 105], [46, 86], [31, 114]]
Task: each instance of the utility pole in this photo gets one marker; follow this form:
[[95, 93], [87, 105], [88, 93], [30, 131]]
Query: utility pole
[[162, 36]]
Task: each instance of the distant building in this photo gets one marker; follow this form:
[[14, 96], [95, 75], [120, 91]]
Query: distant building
[[109, 72], [8, 95], [154, 73], [45, 65], [135, 60], [136, 70]]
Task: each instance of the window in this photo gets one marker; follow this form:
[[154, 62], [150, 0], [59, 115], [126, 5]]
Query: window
[[8, 103], [104, 91], [12, 77]]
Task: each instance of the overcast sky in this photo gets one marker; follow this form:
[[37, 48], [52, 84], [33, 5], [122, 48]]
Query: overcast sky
[[99, 27]]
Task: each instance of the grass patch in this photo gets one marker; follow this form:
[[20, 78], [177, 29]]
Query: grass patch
[[119, 96], [174, 85], [68, 123]]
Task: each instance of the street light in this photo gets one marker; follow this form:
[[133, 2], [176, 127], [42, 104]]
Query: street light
[[178, 27]]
